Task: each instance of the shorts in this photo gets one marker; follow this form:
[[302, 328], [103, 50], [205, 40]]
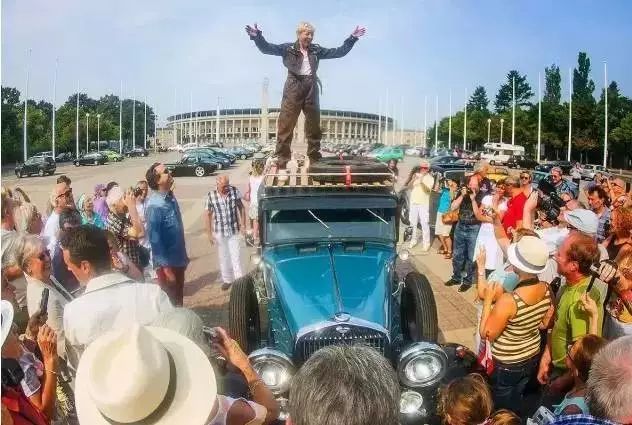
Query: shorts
[[440, 228], [253, 211]]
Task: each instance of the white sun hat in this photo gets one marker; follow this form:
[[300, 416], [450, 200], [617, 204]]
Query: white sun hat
[[147, 374], [7, 319], [529, 254]]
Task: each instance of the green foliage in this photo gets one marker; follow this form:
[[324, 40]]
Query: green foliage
[[505, 94], [552, 85], [39, 130], [478, 101]]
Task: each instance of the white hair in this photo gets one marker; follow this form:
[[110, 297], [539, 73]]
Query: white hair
[[609, 386], [186, 323], [305, 26], [12, 243], [114, 195], [23, 215]]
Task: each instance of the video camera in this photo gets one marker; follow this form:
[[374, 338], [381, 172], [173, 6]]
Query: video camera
[[549, 202]]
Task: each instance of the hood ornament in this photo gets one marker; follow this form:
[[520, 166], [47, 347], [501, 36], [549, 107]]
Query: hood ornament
[[342, 317], [343, 330]]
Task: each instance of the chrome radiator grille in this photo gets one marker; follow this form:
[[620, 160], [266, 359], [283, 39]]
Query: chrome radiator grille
[[313, 341]]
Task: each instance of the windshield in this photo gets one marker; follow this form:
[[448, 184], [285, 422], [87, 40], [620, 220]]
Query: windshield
[[352, 223]]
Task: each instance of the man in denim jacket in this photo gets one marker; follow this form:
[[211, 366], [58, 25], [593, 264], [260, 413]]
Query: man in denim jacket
[[300, 91], [166, 233]]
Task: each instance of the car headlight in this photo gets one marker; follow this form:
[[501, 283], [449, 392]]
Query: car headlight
[[411, 403], [274, 368], [422, 364]]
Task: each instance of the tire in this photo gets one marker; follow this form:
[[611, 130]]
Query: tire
[[492, 162], [403, 208], [219, 166], [335, 165], [77, 164], [19, 174], [243, 314], [41, 173], [418, 309], [243, 157], [96, 162], [200, 171]]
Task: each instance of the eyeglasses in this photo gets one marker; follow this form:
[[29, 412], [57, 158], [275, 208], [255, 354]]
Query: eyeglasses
[[66, 194], [524, 177]]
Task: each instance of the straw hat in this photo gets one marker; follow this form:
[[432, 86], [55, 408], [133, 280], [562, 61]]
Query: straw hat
[[529, 254], [7, 319], [144, 373]]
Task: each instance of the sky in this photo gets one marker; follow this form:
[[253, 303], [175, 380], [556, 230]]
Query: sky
[[178, 53]]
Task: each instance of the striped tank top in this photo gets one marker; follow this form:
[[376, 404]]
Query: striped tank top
[[520, 340]]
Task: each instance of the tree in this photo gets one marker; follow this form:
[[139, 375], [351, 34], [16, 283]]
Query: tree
[[583, 86], [523, 92], [552, 85], [478, 101]]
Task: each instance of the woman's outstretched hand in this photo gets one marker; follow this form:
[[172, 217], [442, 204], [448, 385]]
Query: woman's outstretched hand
[[252, 31], [357, 32]]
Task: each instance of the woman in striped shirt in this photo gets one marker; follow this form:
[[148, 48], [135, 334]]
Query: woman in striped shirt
[[513, 325]]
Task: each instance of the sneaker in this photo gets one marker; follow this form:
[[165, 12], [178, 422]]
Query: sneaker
[[226, 286], [451, 282], [465, 287]]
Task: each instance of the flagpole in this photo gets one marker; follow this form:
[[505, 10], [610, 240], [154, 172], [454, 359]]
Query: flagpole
[[386, 120], [465, 122], [175, 109], [26, 104], [513, 112], [425, 120], [54, 99], [121, 120], [605, 117], [570, 111], [401, 124], [539, 116], [77, 122], [145, 126], [133, 118], [436, 129], [379, 120], [450, 122]]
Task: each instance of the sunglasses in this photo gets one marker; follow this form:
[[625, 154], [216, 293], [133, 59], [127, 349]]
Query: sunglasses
[[66, 194], [524, 177]]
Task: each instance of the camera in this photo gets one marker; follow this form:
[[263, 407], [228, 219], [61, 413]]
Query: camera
[[549, 202], [137, 191]]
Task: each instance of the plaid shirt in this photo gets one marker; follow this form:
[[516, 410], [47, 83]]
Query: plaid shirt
[[581, 420], [120, 225], [225, 211], [601, 227]]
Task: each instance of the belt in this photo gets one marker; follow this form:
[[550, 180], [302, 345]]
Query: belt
[[300, 77]]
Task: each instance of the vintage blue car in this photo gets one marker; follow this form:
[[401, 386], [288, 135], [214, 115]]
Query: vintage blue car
[[328, 273]]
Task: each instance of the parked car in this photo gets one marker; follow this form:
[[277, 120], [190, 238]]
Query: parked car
[[328, 273], [175, 148], [546, 167], [447, 162], [137, 151], [588, 171], [416, 151], [240, 153], [192, 165], [388, 153], [521, 161], [112, 155], [213, 151], [40, 165], [222, 162], [64, 157], [43, 154], [91, 158]]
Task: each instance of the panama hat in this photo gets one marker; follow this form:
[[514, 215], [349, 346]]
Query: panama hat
[[584, 220], [7, 319], [529, 254], [144, 375]]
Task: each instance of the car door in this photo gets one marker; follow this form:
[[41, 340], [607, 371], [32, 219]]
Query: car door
[[188, 165], [30, 166]]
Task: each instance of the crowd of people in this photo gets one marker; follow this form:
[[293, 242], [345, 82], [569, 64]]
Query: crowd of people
[[93, 328], [553, 281]]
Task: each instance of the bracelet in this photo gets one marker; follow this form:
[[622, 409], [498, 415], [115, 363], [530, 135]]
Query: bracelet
[[52, 371]]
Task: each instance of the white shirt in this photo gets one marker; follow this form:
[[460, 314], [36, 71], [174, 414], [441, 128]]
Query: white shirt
[[111, 301], [306, 68], [51, 229], [140, 208]]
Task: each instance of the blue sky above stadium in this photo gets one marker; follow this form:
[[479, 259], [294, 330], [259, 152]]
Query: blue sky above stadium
[[412, 48]]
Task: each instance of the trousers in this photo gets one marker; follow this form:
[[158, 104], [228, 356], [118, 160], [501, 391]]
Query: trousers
[[300, 93], [229, 252], [463, 251], [175, 290], [420, 214]]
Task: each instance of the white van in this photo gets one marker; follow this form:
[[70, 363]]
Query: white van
[[499, 153]]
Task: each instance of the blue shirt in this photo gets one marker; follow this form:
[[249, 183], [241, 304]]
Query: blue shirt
[[444, 201], [165, 231], [581, 420]]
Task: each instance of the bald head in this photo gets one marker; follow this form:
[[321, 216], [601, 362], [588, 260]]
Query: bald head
[[222, 183]]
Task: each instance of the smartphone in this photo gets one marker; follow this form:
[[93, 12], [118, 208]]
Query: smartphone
[[44, 302]]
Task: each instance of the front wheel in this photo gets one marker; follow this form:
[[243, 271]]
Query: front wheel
[[199, 171], [418, 309], [243, 314], [492, 162], [243, 157], [41, 173], [96, 162], [76, 163]]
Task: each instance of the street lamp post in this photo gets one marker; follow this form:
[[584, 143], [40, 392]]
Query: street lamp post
[[87, 132], [489, 123], [98, 132], [502, 121]]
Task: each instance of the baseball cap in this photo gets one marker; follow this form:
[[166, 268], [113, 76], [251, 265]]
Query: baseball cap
[[583, 220]]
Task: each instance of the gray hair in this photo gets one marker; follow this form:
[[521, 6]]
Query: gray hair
[[557, 170], [30, 245], [609, 385], [23, 215], [12, 243], [345, 384], [186, 323], [481, 165], [305, 26]]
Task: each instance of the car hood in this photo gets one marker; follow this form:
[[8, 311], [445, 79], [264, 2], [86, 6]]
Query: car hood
[[304, 282]]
